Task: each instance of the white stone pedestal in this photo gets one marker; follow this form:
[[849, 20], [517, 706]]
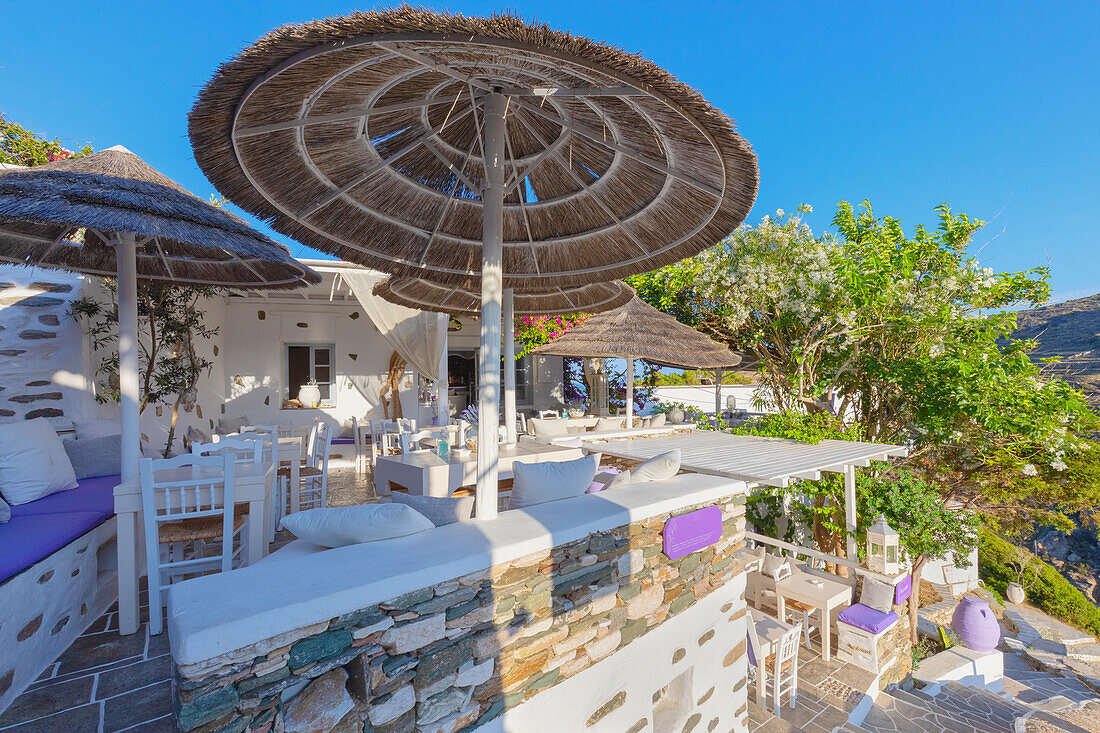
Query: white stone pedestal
[[965, 666]]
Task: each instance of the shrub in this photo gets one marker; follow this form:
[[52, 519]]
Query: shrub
[[1051, 592]]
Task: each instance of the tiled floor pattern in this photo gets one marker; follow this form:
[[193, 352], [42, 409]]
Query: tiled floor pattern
[[106, 683], [827, 692]]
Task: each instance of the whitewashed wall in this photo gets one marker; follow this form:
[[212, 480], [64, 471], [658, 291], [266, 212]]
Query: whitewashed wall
[[702, 396], [41, 361]]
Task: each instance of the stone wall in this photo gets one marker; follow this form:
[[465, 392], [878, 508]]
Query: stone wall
[[462, 654], [41, 367]]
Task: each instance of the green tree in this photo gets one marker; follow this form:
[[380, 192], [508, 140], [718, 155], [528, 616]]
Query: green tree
[[907, 337], [170, 322], [927, 528]]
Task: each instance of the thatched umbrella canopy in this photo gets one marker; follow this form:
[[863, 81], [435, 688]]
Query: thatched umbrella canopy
[[181, 238], [453, 148], [363, 136], [135, 223], [637, 330], [426, 295]]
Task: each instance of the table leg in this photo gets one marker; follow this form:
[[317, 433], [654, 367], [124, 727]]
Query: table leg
[[781, 607], [826, 638], [256, 530], [295, 486], [126, 544]]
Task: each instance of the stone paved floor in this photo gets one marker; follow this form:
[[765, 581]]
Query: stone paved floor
[[827, 693], [106, 683]]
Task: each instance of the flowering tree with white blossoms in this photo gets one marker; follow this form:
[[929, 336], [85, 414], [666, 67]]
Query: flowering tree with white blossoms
[[904, 338]]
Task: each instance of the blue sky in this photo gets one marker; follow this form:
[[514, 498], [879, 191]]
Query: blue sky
[[993, 108]]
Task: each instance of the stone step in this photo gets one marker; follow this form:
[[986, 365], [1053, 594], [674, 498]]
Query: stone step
[[955, 715], [1084, 652]]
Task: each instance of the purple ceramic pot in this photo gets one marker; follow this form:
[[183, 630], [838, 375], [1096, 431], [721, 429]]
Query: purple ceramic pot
[[976, 625]]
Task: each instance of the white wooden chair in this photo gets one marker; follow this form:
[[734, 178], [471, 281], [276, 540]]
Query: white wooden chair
[[185, 513], [406, 424], [755, 653], [243, 450], [784, 669], [268, 438], [378, 430], [281, 431], [410, 442], [313, 473], [548, 414], [360, 432]]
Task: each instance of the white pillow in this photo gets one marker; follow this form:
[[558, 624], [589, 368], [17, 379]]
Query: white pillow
[[772, 563], [608, 423], [877, 595], [657, 468], [33, 462], [547, 428], [227, 425], [658, 420], [97, 428], [351, 525], [538, 483]]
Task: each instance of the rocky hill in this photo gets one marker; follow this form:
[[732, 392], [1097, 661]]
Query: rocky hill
[[1069, 330]]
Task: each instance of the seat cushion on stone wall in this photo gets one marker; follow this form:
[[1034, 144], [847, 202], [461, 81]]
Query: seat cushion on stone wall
[[867, 618], [90, 495], [343, 441], [93, 457], [27, 539]]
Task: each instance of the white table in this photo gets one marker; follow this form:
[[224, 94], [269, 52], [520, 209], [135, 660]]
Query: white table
[[252, 484], [423, 472], [769, 631], [831, 594]]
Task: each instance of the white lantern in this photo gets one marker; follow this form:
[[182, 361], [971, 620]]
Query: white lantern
[[883, 548]]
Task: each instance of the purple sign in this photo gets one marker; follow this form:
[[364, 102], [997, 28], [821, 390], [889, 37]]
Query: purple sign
[[693, 531]]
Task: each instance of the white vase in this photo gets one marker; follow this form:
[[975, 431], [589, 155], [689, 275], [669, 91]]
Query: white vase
[[676, 416], [309, 395], [1015, 593]]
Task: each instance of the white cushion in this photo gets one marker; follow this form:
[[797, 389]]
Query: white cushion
[[658, 420], [439, 510], [657, 468], [351, 525], [772, 563], [86, 429], [605, 424], [33, 462], [877, 595], [548, 428], [538, 483], [290, 551]]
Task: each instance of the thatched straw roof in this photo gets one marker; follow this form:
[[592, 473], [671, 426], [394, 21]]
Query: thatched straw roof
[[181, 238], [361, 136], [639, 330], [430, 296]]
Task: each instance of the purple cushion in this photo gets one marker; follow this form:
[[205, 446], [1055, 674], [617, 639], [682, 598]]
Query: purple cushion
[[343, 441], [867, 618], [903, 590], [90, 495], [27, 539]]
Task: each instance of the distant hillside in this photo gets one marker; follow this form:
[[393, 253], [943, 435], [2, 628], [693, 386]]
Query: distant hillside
[[1070, 330]]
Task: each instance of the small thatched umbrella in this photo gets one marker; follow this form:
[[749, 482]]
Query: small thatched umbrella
[[453, 148], [431, 296], [134, 223], [637, 330]]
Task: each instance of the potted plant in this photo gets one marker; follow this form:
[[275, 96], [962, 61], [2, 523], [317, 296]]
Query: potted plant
[[1026, 576], [310, 394]]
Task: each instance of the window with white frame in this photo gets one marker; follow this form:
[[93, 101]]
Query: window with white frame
[[305, 362]]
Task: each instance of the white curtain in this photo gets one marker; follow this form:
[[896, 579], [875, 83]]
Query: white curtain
[[418, 336]]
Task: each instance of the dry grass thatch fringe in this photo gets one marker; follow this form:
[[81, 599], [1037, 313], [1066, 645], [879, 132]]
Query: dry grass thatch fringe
[[596, 214], [639, 330], [465, 300], [43, 210]]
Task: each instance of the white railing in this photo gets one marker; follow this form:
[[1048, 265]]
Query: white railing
[[823, 556]]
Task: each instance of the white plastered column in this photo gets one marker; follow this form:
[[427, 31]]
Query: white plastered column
[[492, 285]]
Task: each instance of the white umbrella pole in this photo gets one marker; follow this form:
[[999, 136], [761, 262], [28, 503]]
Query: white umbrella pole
[[126, 259], [717, 396], [492, 280], [443, 400], [510, 367], [629, 392]]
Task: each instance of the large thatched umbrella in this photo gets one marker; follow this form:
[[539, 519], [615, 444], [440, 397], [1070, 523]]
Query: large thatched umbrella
[[449, 148], [637, 330], [432, 296], [112, 214]]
